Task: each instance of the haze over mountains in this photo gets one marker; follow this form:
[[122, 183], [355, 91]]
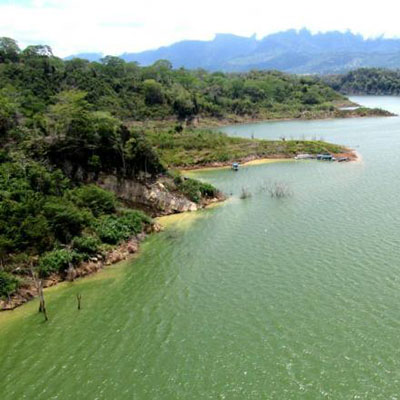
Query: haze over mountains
[[289, 51]]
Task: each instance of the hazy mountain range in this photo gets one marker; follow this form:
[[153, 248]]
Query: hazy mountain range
[[290, 51]]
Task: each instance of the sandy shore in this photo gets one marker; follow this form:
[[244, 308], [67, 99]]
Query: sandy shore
[[353, 156], [228, 164], [357, 157]]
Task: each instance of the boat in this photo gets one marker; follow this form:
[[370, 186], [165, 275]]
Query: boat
[[325, 157], [235, 166], [304, 157]]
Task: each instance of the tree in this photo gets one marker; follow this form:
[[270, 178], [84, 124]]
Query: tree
[[311, 97], [153, 92], [71, 133], [9, 50], [71, 106], [112, 138], [8, 114], [8, 284], [183, 103], [141, 156], [161, 71], [38, 51]]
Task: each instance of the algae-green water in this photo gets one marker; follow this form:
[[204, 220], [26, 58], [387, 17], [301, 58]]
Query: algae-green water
[[262, 298]]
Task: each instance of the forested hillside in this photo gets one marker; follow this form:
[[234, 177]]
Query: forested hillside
[[56, 139], [374, 81], [32, 80]]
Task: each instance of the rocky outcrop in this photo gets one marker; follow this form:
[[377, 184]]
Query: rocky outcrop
[[155, 198]]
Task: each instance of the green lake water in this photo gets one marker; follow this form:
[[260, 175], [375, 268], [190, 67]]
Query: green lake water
[[262, 298]]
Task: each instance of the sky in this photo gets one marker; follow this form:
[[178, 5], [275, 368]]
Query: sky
[[117, 26]]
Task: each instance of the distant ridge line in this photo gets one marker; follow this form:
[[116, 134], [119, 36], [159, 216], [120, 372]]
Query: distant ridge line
[[295, 51]]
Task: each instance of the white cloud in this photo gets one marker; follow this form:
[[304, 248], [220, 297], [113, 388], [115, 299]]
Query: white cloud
[[112, 27]]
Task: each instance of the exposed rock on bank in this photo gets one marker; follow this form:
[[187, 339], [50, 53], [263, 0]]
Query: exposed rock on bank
[[156, 198]]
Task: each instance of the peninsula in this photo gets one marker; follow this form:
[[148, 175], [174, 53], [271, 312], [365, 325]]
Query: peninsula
[[88, 148]]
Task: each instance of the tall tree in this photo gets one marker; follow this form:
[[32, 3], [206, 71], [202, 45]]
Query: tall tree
[[9, 50]]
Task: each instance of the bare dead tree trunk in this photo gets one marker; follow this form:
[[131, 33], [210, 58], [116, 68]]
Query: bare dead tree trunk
[[39, 288], [42, 306], [70, 273], [79, 298]]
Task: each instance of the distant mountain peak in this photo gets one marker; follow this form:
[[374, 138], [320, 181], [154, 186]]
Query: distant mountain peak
[[231, 36], [299, 51], [86, 56]]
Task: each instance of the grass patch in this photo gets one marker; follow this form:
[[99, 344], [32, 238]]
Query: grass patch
[[193, 147]]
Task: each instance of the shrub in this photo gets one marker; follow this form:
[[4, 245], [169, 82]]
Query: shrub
[[8, 284], [35, 231], [98, 200], [190, 188], [57, 261], [134, 220], [208, 190], [66, 219], [195, 190], [111, 229], [176, 176], [87, 245]]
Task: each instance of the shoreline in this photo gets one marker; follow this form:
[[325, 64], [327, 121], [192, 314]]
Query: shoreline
[[207, 122], [358, 157], [130, 247], [224, 123], [123, 252], [243, 163], [353, 156], [212, 123]]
